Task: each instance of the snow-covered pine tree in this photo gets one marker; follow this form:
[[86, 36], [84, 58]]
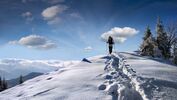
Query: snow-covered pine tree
[[20, 79], [148, 45], [147, 33], [0, 84], [4, 84], [175, 52], [172, 40], [162, 39]]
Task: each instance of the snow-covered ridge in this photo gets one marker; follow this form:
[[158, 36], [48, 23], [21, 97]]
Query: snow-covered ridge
[[135, 80], [123, 82], [120, 76], [156, 78], [120, 80], [73, 81]]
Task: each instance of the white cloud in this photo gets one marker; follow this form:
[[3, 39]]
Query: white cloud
[[76, 15], [119, 34], [51, 14], [89, 48], [54, 21], [13, 42], [35, 41], [54, 1], [28, 1], [28, 16], [13, 68], [24, 1]]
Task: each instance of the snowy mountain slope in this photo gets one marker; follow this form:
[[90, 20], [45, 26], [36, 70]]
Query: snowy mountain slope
[[120, 82], [121, 76], [77, 81], [158, 78], [151, 68]]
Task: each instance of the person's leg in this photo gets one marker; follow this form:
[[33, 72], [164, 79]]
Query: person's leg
[[109, 49]]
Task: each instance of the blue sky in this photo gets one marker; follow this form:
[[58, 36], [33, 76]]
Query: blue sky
[[71, 29]]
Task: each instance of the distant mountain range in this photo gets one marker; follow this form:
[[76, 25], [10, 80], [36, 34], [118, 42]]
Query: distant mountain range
[[15, 81]]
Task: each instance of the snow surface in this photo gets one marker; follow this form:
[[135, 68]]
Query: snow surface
[[74, 81], [120, 76], [157, 77]]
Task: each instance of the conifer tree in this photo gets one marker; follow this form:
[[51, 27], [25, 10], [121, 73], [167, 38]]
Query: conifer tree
[[147, 34], [0, 84], [162, 39], [4, 84], [175, 53], [172, 40], [20, 79], [147, 47], [0, 81]]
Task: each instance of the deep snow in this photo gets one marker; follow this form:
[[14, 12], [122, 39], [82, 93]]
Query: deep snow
[[158, 77], [123, 76]]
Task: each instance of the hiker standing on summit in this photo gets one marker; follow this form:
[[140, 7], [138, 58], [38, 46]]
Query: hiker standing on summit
[[110, 43]]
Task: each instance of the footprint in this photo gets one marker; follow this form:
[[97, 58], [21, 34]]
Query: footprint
[[102, 87], [108, 77]]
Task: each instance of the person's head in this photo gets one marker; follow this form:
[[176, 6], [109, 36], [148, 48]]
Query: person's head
[[110, 38]]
